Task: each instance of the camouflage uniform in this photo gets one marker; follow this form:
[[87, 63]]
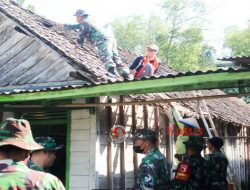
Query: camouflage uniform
[[216, 169], [154, 170], [49, 144], [16, 175], [190, 171], [106, 45]]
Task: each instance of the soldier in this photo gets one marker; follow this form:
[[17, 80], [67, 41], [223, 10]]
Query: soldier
[[190, 171], [154, 170], [106, 45], [16, 142], [216, 164], [45, 158]]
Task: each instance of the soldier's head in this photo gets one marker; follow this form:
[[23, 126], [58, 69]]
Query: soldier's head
[[144, 140], [16, 140], [194, 144], [80, 15], [214, 143], [46, 157]]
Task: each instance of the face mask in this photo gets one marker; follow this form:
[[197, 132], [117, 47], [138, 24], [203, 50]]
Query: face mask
[[138, 149]]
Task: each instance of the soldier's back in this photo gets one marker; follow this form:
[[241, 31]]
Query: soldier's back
[[154, 171], [194, 177], [16, 175], [216, 170]]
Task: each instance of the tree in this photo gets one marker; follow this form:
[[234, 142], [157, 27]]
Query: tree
[[179, 35], [238, 41], [28, 7]]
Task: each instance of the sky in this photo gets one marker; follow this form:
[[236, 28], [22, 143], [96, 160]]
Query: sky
[[221, 14]]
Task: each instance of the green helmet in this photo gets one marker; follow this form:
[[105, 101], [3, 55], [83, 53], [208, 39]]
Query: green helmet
[[145, 134], [17, 132], [48, 143], [195, 142]]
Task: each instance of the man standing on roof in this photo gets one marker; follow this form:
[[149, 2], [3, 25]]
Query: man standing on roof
[[44, 158], [216, 164], [16, 143], [106, 46], [154, 170], [146, 66], [190, 171]]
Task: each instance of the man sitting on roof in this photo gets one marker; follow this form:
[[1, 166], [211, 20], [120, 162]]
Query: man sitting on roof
[[146, 66], [105, 44]]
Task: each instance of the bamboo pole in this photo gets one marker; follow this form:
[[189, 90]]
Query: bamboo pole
[[122, 149], [135, 158]]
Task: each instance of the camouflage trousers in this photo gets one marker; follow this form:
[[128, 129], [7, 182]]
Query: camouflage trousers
[[108, 54]]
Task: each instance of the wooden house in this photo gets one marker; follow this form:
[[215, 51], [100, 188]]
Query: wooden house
[[66, 93]]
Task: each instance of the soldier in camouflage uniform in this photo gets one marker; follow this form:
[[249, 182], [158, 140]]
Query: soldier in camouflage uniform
[[216, 165], [16, 142], [154, 169], [46, 157], [106, 45], [190, 171]]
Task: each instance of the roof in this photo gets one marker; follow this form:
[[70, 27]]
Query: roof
[[244, 60], [61, 66]]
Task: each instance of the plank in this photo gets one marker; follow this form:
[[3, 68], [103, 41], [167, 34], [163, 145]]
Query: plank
[[32, 72], [13, 52], [18, 59], [6, 34], [62, 74], [7, 23], [48, 72], [22, 67], [2, 18], [10, 42]]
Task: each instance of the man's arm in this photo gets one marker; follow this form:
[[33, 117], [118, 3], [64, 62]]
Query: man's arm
[[147, 178], [72, 26], [136, 62]]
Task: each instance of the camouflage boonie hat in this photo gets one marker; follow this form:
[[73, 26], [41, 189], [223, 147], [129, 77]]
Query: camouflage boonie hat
[[48, 143], [17, 132], [144, 134], [80, 12], [195, 142]]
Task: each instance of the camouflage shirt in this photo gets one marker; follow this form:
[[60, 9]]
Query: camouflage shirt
[[153, 171], [87, 32], [16, 175], [33, 166], [216, 170], [196, 179]]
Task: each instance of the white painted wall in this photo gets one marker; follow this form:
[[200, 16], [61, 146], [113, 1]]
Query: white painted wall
[[82, 150]]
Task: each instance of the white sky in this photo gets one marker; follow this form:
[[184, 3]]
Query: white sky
[[221, 13]]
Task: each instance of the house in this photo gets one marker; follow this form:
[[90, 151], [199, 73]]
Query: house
[[66, 93]]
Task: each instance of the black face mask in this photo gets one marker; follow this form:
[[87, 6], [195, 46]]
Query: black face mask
[[138, 149]]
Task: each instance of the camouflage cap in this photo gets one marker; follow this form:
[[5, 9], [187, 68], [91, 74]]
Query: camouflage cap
[[48, 143], [217, 142], [195, 142], [80, 12], [17, 132], [144, 134]]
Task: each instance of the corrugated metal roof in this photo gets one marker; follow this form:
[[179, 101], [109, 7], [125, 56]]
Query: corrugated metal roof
[[237, 59]]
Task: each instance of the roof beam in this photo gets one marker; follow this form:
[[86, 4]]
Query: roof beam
[[182, 83]]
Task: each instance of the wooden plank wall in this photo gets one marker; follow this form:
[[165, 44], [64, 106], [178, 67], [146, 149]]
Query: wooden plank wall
[[26, 60], [133, 117]]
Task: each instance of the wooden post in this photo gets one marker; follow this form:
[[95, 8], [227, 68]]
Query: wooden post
[[135, 159], [156, 125], [109, 149], [122, 151], [145, 116]]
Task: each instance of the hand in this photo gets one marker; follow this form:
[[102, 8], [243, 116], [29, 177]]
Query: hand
[[133, 71], [60, 25]]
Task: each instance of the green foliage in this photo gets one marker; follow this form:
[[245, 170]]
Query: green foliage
[[178, 34], [238, 41], [28, 7]]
